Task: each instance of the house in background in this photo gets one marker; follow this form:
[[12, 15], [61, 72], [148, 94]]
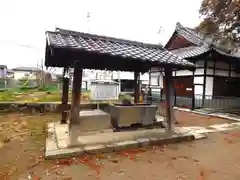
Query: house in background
[[10, 73], [215, 83], [25, 72], [3, 71], [125, 79]]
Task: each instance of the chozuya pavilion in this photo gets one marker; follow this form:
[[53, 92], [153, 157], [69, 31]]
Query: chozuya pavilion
[[69, 49]]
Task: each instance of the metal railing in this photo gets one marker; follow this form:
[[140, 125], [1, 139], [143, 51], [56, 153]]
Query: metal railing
[[221, 102], [213, 102]]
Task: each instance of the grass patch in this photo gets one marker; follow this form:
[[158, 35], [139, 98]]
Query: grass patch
[[37, 131]]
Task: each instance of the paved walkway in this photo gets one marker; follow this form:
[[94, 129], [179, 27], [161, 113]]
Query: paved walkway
[[223, 115], [199, 130]]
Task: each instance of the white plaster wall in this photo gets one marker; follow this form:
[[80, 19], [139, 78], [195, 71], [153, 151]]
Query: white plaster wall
[[198, 80], [144, 77], [184, 73], [199, 71], [155, 74], [209, 71], [22, 74], [221, 73], [209, 86], [157, 80], [129, 76], [198, 90], [154, 81]]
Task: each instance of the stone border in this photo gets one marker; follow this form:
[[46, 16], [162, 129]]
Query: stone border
[[54, 152], [208, 114], [44, 107]]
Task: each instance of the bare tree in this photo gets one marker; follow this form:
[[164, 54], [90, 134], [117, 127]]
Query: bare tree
[[45, 75]]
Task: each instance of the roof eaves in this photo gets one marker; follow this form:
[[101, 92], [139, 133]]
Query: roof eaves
[[105, 38], [61, 39]]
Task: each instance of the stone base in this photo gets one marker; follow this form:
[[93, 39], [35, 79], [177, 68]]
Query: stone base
[[93, 120], [57, 143]]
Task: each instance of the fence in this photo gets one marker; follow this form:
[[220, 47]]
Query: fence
[[8, 83], [213, 102], [13, 83], [218, 102]]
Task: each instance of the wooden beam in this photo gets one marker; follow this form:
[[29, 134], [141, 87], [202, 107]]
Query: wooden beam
[[65, 89], [169, 94], [136, 87], [76, 93]]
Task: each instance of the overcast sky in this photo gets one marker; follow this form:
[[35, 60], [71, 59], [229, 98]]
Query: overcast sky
[[24, 22]]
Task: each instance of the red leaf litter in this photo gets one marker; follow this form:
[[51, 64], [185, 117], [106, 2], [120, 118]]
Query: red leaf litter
[[131, 153], [201, 176], [235, 134]]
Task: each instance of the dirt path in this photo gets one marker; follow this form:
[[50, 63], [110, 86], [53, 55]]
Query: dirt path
[[193, 119], [23, 142], [197, 160]]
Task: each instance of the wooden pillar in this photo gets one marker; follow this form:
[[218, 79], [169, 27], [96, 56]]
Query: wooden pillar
[[204, 82], [169, 94], [76, 93], [193, 92], [136, 87], [65, 89], [149, 96]]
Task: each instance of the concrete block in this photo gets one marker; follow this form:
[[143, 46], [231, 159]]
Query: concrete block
[[50, 144], [111, 147], [143, 142], [126, 145], [95, 149], [153, 141], [174, 138], [61, 131], [198, 136], [63, 153], [94, 120], [62, 144], [50, 125]]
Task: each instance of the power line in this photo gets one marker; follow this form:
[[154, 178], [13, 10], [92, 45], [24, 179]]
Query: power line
[[22, 45]]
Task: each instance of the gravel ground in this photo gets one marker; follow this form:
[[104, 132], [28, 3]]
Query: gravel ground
[[197, 160], [193, 119], [23, 141]]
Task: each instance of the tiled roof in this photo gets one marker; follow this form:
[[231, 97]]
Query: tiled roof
[[190, 51], [124, 49], [200, 45], [189, 34], [193, 51], [3, 66]]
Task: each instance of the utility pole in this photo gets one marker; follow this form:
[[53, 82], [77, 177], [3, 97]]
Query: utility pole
[[88, 21]]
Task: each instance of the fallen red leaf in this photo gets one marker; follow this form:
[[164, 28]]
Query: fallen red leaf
[[228, 140], [236, 134], [67, 178], [36, 178], [84, 159], [201, 176], [65, 162]]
